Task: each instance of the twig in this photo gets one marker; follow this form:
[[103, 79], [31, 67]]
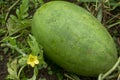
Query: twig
[[20, 70], [69, 77], [114, 24], [118, 77], [100, 77], [14, 47], [10, 9], [115, 75], [110, 71]]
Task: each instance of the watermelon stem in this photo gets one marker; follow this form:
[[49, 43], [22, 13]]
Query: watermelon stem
[[103, 76], [14, 47]]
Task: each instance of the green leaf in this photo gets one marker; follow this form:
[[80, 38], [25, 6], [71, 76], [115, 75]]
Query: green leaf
[[50, 72], [59, 76], [14, 25], [14, 18], [100, 14], [11, 25], [33, 45], [11, 43], [12, 70], [18, 12], [11, 40], [19, 23], [37, 51], [2, 31], [23, 60], [41, 1], [22, 12]]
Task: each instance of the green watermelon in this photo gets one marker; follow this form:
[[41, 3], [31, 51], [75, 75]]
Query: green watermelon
[[73, 38]]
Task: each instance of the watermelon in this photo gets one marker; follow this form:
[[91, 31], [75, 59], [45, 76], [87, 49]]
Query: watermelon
[[73, 38]]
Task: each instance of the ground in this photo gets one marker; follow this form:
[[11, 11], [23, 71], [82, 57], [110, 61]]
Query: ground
[[107, 12]]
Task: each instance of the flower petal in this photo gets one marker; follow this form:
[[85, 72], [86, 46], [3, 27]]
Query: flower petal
[[36, 62], [32, 60], [32, 64]]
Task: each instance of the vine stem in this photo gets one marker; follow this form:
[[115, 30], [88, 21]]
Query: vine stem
[[100, 77], [20, 71], [103, 76], [14, 47], [69, 76], [10, 9], [118, 77]]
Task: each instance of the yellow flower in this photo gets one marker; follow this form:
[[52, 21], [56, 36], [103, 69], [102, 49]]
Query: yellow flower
[[32, 60]]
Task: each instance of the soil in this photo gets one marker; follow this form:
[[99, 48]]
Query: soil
[[3, 65]]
